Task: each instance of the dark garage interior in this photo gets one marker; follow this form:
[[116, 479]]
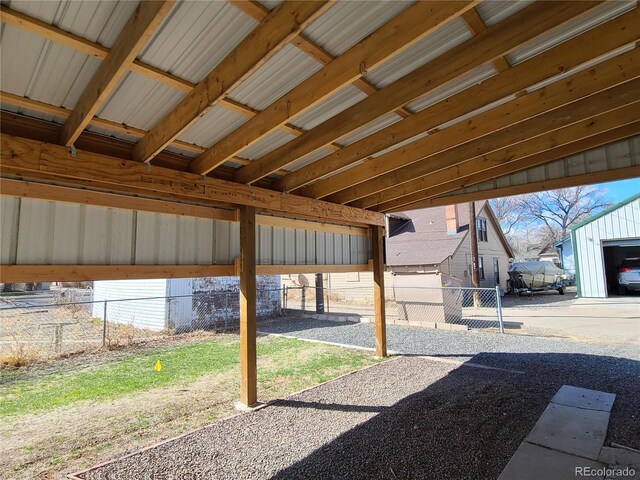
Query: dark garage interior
[[614, 252]]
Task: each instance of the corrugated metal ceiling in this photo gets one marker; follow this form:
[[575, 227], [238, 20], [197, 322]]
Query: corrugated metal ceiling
[[347, 22], [433, 45], [212, 127], [196, 37], [370, 128], [329, 107], [266, 144], [282, 72], [494, 11], [570, 29]]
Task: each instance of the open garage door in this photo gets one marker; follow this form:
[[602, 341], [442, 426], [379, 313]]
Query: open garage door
[[615, 251]]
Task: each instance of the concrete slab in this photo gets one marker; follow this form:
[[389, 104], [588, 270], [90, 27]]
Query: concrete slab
[[620, 456], [573, 430], [532, 462], [584, 398]]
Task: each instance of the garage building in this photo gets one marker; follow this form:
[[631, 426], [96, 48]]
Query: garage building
[[601, 243]]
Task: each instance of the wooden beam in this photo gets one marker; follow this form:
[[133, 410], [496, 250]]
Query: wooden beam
[[277, 29], [248, 357], [393, 37], [43, 191], [566, 182], [377, 242], [293, 269], [540, 125], [21, 156], [568, 141], [476, 25], [146, 18], [254, 9], [564, 57], [493, 42], [87, 273], [55, 34]]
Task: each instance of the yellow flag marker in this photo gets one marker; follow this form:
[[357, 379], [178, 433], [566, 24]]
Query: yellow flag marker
[[158, 366]]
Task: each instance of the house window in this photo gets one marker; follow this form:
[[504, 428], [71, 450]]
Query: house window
[[496, 270], [481, 267], [481, 226]]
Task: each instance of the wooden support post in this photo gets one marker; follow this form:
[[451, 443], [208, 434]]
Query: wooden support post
[[248, 373], [377, 239]]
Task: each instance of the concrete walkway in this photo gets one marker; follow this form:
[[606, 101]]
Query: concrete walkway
[[568, 439]]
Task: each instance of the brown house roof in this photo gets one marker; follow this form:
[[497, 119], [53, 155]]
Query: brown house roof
[[420, 236]]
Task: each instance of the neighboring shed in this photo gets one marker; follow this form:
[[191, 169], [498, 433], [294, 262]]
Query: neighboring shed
[[567, 260], [183, 304], [601, 243]]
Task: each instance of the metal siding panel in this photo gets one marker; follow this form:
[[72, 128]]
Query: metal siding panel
[[186, 244], [321, 250], [94, 240], [234, 241], [145, 241], [311, 247], [222, 239], [9, 216], [35, 232], [301, 247], [121, 236], [337, 249], [289, 246], [204, 241]]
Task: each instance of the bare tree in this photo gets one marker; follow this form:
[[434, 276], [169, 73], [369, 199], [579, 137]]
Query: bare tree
[[509, 213], [557, 210], [536, 220]]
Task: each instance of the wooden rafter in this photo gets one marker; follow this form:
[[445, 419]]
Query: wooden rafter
[[277, 29], [146, 18], [564, 57], [493, 42], [539, 126], [393, 37], [476, 25], [570, 181], [108, 125], [443, 184], [21, 156]]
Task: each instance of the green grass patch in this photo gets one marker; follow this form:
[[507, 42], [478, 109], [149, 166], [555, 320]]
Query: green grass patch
[[285, 365]]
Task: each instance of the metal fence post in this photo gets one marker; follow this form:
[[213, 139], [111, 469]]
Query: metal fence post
[[104, 325], [226, 311], [303, 298], [499, 308]]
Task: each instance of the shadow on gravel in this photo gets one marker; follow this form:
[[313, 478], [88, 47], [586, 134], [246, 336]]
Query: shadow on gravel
[[469, 423], [329, 406]]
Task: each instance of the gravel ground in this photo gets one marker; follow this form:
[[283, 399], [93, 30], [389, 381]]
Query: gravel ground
[[407, 418], [549, 298], [457, 344]]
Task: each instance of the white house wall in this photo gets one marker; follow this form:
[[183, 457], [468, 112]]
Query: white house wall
[[622, 223], [40, 232]]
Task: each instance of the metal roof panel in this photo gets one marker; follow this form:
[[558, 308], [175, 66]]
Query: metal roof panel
[[212, 127], [575, 26], [278, 75], [266, 144], [494, 11], [139, 101], [433, 45], [347, 22], [329, 107], [370, 128], [196, 37]]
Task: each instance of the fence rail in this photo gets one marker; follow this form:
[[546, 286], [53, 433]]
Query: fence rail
[[49, 329]]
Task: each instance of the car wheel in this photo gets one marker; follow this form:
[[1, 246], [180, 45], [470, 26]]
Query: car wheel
[[561, 290]]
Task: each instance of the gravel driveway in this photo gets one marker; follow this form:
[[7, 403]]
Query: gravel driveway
[[406, 418], [424, 341]]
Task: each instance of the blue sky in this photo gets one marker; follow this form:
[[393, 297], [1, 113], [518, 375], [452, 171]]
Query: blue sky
[[622, 189]]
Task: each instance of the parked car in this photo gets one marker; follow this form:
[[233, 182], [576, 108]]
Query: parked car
[[629, 275]]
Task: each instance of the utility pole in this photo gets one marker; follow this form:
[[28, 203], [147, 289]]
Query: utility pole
[[475, 271]]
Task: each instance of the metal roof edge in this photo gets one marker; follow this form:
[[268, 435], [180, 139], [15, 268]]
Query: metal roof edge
[[604, 212]]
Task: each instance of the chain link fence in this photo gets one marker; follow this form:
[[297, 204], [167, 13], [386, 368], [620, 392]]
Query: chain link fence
[[450, 308], [56, 325]]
